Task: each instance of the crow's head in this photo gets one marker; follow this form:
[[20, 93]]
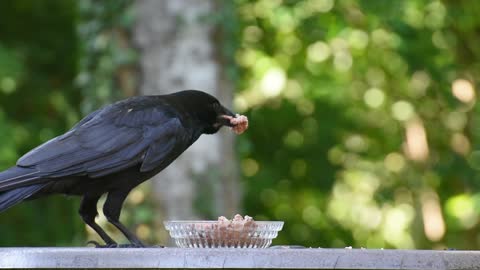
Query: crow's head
[[207, 110]]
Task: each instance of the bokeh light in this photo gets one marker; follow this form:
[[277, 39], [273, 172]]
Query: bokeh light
[[416, 141], [402, 110], [374, 97], [434, 225], [463, 90]]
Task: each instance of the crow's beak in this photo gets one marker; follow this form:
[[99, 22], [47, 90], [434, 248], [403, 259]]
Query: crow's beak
[[225, 117], [228, 112]]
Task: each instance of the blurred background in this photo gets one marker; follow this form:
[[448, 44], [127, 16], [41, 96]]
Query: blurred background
[[363, 113]]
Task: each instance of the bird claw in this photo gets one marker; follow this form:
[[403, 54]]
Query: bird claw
[[95, 243], [130, 246], [115, 245], [98, 245]]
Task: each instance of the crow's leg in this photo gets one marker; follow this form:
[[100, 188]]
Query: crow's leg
[[111, 210], [88, 212]]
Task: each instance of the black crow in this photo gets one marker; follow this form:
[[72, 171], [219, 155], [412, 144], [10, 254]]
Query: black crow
[[114, 149]]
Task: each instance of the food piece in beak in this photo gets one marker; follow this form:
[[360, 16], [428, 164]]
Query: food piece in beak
[[240, 123]]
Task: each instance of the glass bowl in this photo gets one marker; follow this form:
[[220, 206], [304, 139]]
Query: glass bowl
[[212, 234]]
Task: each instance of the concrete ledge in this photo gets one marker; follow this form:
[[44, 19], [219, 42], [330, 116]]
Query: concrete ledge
[[177, 258]]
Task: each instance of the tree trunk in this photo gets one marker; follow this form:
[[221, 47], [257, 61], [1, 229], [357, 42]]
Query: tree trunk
[[177, 53]]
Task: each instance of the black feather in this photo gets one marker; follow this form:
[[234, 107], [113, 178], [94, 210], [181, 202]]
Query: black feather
[[11, 197], [17, 176]]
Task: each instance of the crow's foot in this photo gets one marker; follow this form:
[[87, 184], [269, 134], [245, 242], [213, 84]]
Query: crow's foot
[[115, 245], [130, 246], [98, 245]]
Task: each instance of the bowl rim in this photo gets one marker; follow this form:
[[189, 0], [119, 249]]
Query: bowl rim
[[262, 222]]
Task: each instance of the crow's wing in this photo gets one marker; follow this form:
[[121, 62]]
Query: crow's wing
[[110, 140]]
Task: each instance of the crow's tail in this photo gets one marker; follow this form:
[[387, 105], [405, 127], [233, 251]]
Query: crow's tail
[[18, 184], [11, 197]]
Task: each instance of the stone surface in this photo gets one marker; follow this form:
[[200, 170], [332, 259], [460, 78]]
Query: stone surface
[[272, 258]]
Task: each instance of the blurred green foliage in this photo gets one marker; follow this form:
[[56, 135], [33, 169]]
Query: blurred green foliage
[[362, 113], [362, 121], [106, 65], [38, 61]]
